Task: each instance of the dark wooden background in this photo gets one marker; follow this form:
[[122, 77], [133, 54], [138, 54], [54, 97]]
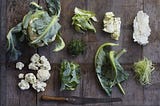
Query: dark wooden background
[[12, 12]]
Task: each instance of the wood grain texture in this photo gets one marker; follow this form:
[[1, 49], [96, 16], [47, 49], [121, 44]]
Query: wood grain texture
[[16, 9], [12, 12]]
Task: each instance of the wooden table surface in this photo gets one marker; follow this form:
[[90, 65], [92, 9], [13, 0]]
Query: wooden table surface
[[12, 12]]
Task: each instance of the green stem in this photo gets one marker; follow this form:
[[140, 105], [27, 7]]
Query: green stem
[[120, 53], [121, 89]]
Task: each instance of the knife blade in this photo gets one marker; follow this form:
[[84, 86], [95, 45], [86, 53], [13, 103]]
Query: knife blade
[[80, 100]]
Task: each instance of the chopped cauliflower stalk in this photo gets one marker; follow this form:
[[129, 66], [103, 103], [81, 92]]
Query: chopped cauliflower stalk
[[30, 77], [142, 29], [23, 85], [43, 75], [19, 65], [112, 25]]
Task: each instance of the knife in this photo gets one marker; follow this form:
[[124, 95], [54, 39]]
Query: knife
[[79, 100]]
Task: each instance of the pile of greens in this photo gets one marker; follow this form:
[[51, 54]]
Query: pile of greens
[[108, 69], [82, 20], [76, 47], [38, 27], [70, 75], [143, 70]]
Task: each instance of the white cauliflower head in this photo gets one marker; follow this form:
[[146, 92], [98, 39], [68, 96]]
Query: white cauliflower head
[[43, 75], [19, 65], [39, 86], [30, 77], [23, 85]]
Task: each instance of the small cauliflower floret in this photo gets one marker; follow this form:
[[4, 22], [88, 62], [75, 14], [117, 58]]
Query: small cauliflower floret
[[112, 25], [30, 77], [21, 75], [45, 63], [19, 65], [35, 58], [142, 29], [39, 86], [32, 66], [23, 85], [43, 75]]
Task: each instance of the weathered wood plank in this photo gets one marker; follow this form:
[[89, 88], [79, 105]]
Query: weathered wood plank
[[152, 50], [2, 54], [16, 9], [134, 91], [91, 86]]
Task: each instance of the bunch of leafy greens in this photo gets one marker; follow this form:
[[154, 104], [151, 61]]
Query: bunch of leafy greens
[[82, 20], [70, 75], [76, 47], [108, 69], [38, 27], [143, 71]]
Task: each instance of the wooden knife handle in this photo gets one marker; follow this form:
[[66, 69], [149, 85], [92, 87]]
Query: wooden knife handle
[[52, 98]]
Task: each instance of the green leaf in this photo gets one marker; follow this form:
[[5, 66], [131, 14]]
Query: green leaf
[[108, 69], [59, 45], [14, 37], [82, 20], [70, 75], [54, 7]]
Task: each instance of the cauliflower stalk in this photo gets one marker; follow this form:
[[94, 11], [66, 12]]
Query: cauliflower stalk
[[112, 25]]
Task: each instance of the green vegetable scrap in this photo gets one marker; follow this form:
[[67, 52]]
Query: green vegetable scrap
[[70, 75], [76, 47], [108, 69], [38, 27], [82, 20], [143, 70]]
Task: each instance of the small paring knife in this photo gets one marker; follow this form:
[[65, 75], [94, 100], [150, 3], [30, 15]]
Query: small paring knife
[[79, 100]]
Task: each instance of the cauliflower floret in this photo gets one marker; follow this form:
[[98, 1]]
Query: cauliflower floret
[[44, 63], [32, 66], [39, 86], [43, 75], [35, 58], [30, 77], [19, 65], [21, 75], [23, 85]]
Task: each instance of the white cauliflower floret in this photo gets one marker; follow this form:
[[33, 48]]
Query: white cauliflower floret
[[30, 77], [32, 66], [35, 58], [23, 85], [39, 86], [112, 25], [43, 75], [141, 28], [21, 75], [19, 65], [44, 63]]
